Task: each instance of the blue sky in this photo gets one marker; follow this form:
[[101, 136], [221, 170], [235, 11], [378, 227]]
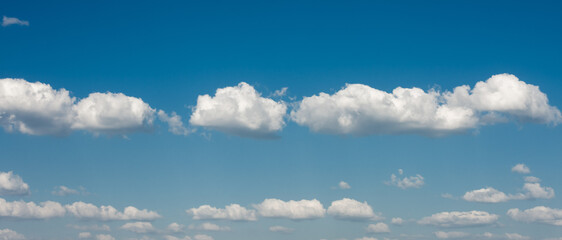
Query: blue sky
[[89, 93]]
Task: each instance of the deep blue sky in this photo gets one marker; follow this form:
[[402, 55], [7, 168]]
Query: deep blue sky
[[168, 53]]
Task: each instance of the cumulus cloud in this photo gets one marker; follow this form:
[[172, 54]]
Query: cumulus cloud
[[344, 185], [406, 182], [138, 227], [202, 237], [30, 210], [358, 109], [296, 210], [12, 184], [7, 21], [9, 234], [516, 236], [38, 109], [175, 227], [239, 110], [540, 214], [378, 228], [107, 213], [281, 229], [175, 124], [104, 237], [84, 235], [459, 219], [233, 212], [397, 221], [521, 168], [489, 195], [450, 235], [351, 209], [209, 227]]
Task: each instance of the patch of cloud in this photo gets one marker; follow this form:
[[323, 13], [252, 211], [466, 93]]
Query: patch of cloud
[[93, 227], [175, 227], [366, 238], [521, 168], [350, 209], [233, 212], [107, 213], [532, 179], [406, 182], [488, 195], [175, 124], [447, 196], [209, 227], [295, 210], [281, 229], [378, 228], [240, 110], [85, 235], [358, 109], [540, 214], [7, 21], [459, 219], [30, 210], [491, 195], [138, 227], [104, 237], [12, 184], [281, 92], [170, 237], [202, 237], [64, 191], [516, 236], [450, 235], [344, 185], [9, 234], [397, 221]]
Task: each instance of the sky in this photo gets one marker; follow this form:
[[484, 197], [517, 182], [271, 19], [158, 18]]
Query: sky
[[304, 120]]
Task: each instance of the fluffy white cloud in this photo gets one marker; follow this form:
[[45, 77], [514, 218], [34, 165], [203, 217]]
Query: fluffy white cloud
[[489, 195], [397, 221], [233, 212], [107, 213], [209, 227], [202, 237], [104, 237], [12, 184], [138, 227], [30, 210], [175, 124], [459, 219], [521, 168], [9, 234], [296, 210], [352, 210], [535, 190], [450, 235], [378, 228], [281, 229], [7, 21], [83, 235], [406, 182], [344, 185], [516, 236], [539, 214], [239, 110], [175, 227], [38, 109], [361, 110]]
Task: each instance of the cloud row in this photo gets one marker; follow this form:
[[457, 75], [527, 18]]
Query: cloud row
[[356, 109], [81, 210]]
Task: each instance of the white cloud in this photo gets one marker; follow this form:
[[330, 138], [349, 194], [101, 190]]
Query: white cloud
[[104, 237], [351, 209], [450, 235], [361, 110], [521, 168], [397, 221], [366, 238], [7, 21], [281, 92], [175, 124], [241, 111], [447, 196], [83, 235], [539, 214], [488, 195], [296, 210], [378, 228], [532, 179], [170, 237], [30, 210], [38, 109], [344, 185], [138, 227], [9, 234], [12, 184], [233, 212], [459, 219], [106, 213], [281, 229], [94, 227], [209, 227], [535, 191], [516, 236], [175, 227], [202, 237], [64, 191], [406, 182]]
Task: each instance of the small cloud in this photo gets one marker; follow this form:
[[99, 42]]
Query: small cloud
[[397, 221], [209, 227], [281, 229], [84, 235], [7, 21], [447, 196], [344, 185], [65, 191], [406, 182], [12, 184], [281, 92], [531, 179], [378, 228], [521, 168], [175, 124]]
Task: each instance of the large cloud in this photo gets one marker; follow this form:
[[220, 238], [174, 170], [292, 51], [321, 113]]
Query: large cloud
[[239, 110], [351, 209], [38, 109], [361, 110], [12, 184], [296, 210], [106, 213], [30, 210], [459, 219], [233, 212], [539, 214]]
